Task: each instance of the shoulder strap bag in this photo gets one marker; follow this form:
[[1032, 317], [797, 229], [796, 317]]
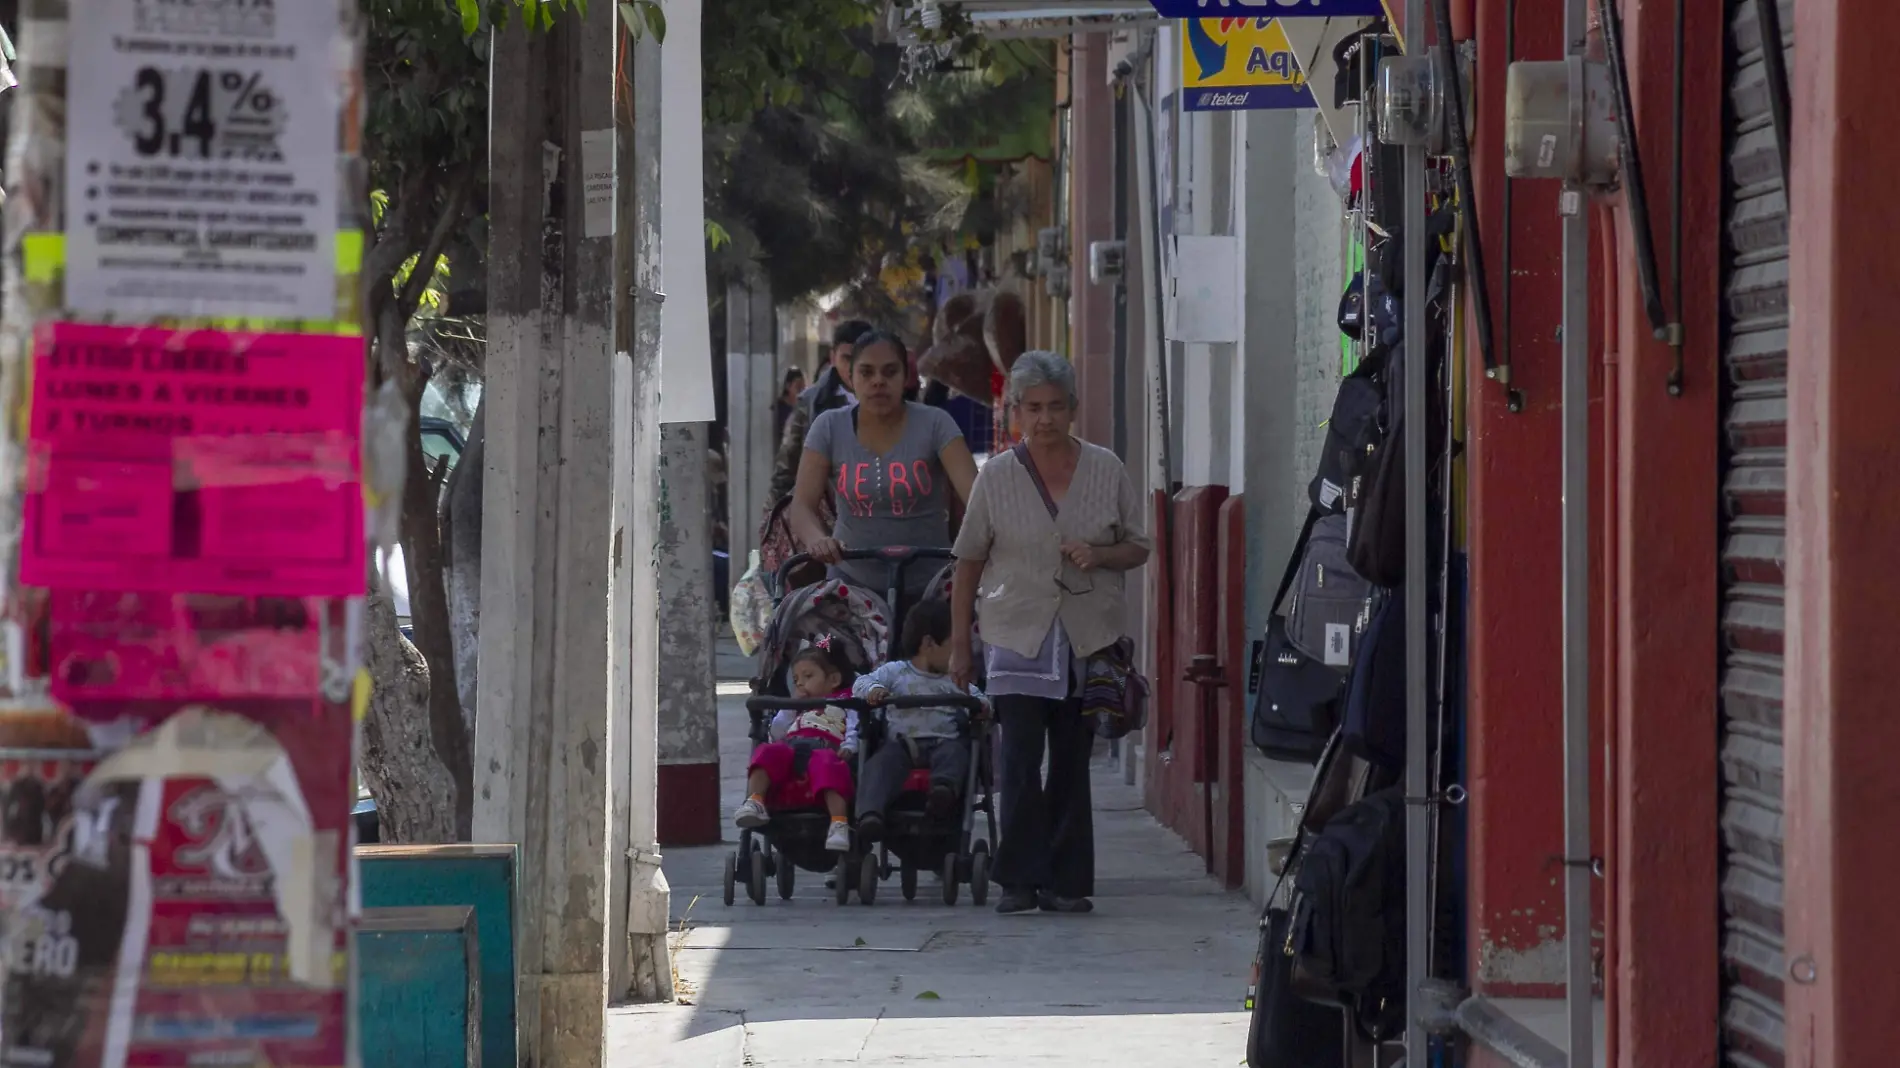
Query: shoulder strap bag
[[1294, 711]]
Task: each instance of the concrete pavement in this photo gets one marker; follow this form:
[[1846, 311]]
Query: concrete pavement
[[1154, 977]]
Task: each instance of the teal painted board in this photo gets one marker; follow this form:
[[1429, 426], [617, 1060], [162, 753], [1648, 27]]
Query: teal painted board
[[480, 876], [419, 988]]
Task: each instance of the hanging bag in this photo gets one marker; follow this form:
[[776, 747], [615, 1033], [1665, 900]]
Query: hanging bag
[[1293, 710], [1327, 608]]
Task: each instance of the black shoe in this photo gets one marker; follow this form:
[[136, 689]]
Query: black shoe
[[1073, 905], [870, 828], [942, 801], [1015, 901]]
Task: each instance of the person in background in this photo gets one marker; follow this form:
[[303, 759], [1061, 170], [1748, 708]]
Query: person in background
[[788, 398], [1053, 526], [890, 467], [832, 390]]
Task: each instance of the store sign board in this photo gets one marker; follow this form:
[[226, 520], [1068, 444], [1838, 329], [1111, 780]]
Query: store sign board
[[1240, 65], [201, 167], [1285, 9]]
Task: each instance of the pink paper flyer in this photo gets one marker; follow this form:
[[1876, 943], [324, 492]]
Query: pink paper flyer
[[199, 461]]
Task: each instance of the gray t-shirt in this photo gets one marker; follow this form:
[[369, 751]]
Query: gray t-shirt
[[899, 498]]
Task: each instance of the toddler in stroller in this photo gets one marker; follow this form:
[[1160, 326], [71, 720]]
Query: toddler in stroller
[[928, 737], [923, 754], [824, 739]]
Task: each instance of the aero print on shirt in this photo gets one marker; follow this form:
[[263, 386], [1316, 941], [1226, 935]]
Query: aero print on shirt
[[901, 487]]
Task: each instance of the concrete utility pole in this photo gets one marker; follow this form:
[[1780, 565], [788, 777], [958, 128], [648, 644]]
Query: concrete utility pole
[[688, 708], [637, 963], [555, 720], [752, 382]]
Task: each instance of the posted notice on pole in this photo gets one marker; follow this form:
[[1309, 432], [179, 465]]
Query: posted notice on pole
[[201, 167], [195, 462]]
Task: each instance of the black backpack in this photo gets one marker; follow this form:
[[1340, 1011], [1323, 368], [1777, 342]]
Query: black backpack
[[1347, 927], [1372, 712], [1294, 706], [1352, 433]]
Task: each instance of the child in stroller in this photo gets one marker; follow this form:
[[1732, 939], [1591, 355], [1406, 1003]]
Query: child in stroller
[[824, 739], [924, 754], [929, 737]]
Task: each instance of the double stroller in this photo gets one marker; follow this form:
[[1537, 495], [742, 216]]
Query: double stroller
[[856, 626]]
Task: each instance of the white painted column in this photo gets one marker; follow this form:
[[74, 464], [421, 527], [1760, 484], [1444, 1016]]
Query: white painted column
[[545, 699]]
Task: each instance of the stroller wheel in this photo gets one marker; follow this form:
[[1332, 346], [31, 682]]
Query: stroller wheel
[[787, 875], [907, 879], [841, 879], [755, 881], [950, 879], [980, 874], [732, 877], [867, 881]]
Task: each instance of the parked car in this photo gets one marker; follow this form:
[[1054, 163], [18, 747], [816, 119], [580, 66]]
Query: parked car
[[440, 438]]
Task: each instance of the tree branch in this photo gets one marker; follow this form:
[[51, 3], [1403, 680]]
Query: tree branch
[[410, 296]]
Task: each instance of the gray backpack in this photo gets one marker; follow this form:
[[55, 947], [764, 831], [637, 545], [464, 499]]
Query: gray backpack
[[1330, 603]]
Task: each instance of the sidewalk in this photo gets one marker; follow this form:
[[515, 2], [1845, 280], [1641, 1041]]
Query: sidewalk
[[1153, 978]]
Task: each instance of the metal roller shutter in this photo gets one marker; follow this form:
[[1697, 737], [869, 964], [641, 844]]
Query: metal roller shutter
[[1755, 412]]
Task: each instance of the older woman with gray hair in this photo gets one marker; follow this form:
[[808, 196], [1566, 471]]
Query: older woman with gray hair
[[1052, 526]]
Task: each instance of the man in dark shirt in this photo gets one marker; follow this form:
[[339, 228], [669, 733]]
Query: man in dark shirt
[[832, 390]]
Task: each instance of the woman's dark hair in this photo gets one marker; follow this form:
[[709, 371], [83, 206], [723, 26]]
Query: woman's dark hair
[[822, 657], [880, 337], [793, 374], [849, 331], [928, 618]]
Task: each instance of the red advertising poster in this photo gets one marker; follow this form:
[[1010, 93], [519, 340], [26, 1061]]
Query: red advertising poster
[[200, 461], [179, 646], [196, 909], [44, 755]]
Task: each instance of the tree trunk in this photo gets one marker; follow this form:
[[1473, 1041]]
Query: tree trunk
[[415, 797], [462, 535], [429, 616]]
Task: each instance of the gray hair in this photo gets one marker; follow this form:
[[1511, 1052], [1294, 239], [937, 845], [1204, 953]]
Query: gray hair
[[1039, 368]]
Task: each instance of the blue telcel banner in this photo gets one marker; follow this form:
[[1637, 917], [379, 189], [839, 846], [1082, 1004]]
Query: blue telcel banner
[[1284, 9]]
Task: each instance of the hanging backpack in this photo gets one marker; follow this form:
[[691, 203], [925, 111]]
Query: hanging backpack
[[1294, 706], [1372, 716], [1347, 926], [1376, 501], [1351, 432], [1328, 607]]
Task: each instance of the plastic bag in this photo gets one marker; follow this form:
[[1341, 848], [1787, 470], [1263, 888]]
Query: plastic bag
[[751, 607]]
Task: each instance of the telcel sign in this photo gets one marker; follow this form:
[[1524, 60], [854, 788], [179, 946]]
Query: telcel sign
[[1239, 65], [1285, 9]]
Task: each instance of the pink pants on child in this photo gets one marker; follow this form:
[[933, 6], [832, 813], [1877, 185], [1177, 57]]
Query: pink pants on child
[[825, 770]]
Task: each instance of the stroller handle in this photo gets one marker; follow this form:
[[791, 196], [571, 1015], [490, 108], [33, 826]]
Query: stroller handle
[[897, 557], [966, 703], [970, 710]]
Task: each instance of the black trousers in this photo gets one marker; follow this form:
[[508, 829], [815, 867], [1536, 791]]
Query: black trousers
[[1048, 830], [885, 770]]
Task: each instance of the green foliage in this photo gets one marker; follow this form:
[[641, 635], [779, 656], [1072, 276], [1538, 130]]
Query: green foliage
[[758, 53], [426, 126], [644, 16], [813, 140]]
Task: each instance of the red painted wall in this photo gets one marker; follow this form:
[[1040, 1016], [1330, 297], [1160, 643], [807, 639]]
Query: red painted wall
[[1663, 864], [1515, 747], [1842, 790], [1230, 808], [688, 812], [1176, 765], [1092, 218]]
